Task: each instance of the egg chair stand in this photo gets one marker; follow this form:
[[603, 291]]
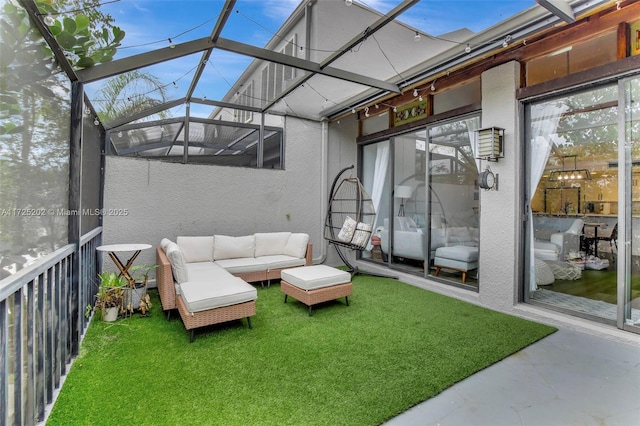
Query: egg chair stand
[[349, 219]]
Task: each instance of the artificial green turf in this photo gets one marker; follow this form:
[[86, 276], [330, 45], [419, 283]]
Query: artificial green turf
[[393, 347]]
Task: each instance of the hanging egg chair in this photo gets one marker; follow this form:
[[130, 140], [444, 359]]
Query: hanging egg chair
[[350, 216]]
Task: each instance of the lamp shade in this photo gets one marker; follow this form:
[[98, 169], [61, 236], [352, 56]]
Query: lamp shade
[[403, 191]]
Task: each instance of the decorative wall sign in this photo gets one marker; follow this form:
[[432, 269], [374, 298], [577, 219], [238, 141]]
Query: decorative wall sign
[[635, 38], [410, 112]]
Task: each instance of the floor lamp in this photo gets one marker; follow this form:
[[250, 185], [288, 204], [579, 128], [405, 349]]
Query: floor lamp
[[402, 192]]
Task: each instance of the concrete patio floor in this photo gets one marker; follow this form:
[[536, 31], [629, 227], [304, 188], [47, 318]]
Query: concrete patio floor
[[567, 378]]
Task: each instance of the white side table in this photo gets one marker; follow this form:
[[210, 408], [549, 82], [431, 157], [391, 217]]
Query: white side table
[[112, 249]]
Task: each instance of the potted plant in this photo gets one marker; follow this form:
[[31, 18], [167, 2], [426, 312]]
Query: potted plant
[[110, 297], [136, 293]]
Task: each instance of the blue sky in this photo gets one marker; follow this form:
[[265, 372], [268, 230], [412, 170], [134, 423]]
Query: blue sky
[[150, 23]]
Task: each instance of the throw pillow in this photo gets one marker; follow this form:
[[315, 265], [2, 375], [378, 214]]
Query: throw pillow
[[362, 234], [348, 229]]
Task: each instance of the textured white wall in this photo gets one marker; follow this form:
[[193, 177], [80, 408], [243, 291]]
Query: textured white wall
[[168, 199], [499, 219]]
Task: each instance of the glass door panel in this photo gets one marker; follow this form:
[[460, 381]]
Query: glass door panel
[[574, 202], [630, 235], [454, 201], [408, 240]]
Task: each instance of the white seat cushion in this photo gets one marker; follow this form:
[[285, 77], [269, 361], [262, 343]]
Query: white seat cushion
[[205, 271], [316, 276], [242, 265], [281, 261], [204, 295]]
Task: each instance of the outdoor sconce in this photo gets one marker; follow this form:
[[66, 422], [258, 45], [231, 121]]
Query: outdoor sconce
[[490, 143]]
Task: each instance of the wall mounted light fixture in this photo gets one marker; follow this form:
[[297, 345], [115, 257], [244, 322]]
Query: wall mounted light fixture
[[490, 143]]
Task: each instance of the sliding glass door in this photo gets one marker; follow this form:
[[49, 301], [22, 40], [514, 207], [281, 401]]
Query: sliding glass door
[[583, 230], [424, 187], [629, 234]]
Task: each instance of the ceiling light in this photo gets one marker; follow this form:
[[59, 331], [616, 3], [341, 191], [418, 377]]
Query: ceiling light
[[417, 36]]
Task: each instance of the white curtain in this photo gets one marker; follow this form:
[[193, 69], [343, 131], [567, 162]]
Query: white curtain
[[473, 125], [379, 177], [544, 124]]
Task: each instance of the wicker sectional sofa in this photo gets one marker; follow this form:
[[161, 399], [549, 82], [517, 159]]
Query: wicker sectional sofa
[[206, 277]]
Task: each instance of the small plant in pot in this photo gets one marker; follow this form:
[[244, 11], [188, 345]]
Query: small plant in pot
[[136, 295], [110, 297]]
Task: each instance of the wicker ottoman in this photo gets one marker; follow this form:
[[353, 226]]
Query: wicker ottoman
[[315, 284], [202, 303]]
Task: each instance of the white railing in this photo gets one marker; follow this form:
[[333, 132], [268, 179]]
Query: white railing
[[42, 317]]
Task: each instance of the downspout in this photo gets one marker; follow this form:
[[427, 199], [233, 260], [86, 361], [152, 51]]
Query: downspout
[[324, 172]]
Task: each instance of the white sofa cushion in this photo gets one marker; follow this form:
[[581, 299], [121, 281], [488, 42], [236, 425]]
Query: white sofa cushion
[[280, 261], [226, 247], [196, 249], [204, 295], [174, 254], [296, 245], [205, 271], [270, 243], [242, 265]]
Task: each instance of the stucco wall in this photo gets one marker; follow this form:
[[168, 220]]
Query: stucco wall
[[167, 199], [499, 220]]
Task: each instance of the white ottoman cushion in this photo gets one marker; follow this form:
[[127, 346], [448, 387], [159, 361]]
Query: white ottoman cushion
[[314, 277], [204, 295], [459, 253]]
